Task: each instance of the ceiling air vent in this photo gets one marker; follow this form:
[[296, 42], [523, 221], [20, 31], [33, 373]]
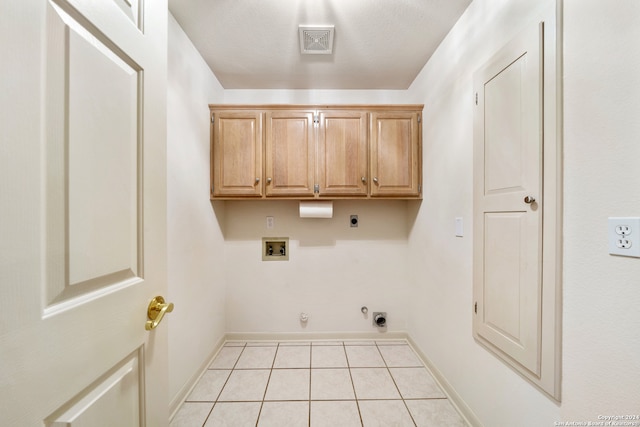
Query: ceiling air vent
[[316, 40]]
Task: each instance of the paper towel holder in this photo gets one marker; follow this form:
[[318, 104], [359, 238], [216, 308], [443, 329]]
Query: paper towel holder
[[316, 209]]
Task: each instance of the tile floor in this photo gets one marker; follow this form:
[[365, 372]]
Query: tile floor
[[317, 384]]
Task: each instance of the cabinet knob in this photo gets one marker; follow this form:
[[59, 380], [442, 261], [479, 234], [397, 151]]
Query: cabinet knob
[[257, 180], [363, 179], [268, 180], [375, 179]]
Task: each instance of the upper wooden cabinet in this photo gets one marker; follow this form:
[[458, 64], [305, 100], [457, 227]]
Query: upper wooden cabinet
[[236, 154], [308, 152], [395, 153], [290, 153], [342, 153]]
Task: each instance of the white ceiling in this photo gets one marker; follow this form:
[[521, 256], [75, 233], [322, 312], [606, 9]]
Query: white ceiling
[[379, 44]]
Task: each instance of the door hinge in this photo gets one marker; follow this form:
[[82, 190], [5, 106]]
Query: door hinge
[[316, 119], [316, 188], [212, 118], [476, 98], [475, 308], [212, 189], [419, 118]]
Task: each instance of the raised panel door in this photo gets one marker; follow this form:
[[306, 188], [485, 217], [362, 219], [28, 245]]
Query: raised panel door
[[83, 214], [395, 154], [290, 153], [342, 153], [236, 151], [508, 202]]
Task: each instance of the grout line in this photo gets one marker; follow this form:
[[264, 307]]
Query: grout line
[[353, 386], [273, 362], [225, 383], [395, 384], [310, 367]]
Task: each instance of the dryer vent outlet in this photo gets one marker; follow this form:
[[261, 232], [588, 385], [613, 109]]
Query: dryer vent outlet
[[380, 319]]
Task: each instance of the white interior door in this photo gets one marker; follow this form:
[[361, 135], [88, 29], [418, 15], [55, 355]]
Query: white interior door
[[508, 201], [83, 230]]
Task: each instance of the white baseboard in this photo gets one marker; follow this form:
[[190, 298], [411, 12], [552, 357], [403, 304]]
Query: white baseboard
[[463, 409], [181, 396], [310, 336]]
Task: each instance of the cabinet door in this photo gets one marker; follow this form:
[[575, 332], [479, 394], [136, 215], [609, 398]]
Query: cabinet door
[[342, 153], [395, 154], [290, 153], [236, 154]]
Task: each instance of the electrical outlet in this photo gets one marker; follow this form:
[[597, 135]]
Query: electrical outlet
[[624, 236]]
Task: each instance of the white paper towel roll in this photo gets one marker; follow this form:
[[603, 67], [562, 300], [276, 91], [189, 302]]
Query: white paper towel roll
[[315, 209]]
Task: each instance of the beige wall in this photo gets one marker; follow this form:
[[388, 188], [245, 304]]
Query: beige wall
[[195, 241], [333, 269], [602, 151]]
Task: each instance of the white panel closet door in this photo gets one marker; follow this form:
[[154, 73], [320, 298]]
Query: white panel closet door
[[83, 246], [508, 201]]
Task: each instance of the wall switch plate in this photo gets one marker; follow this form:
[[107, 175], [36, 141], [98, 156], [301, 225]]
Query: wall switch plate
[[459, 227], [624, 236], [270, 223]]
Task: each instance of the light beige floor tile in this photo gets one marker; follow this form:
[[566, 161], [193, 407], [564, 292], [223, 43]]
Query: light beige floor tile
[[334, 414], [331, 384], [288, 384], [328, 357], [245, 386], [373, 383], [293, 343], [191, 414], [209, 386], [385, 413], [284, 414], [256, 358], [399, 356], [359, 342], [235, 344], [236, 414], [416, 383], [293, 357], [364, 357], [434, 412], [226, 358]]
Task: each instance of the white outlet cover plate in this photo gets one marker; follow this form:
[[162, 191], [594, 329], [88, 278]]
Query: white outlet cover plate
[[633, 237]]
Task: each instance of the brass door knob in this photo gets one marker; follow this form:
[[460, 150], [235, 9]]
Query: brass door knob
[[156, 311]]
